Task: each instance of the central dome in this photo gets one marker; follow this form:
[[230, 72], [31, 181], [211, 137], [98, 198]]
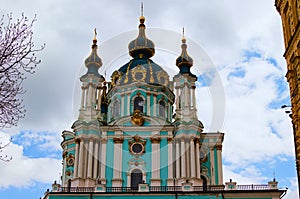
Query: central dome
[[141, 68]]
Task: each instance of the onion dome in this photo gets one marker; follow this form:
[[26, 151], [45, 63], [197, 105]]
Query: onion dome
[[141, 68], [184, 61], [93, 62], [141, 47]]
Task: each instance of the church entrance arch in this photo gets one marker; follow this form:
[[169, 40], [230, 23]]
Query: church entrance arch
[[136, 178]]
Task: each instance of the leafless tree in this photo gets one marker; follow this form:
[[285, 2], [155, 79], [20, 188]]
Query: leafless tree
[[17, 57], [4, 158]]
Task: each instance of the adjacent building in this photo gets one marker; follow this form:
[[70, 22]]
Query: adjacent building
[[289, 11]]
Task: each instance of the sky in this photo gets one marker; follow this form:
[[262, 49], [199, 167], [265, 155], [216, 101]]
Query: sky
[[237, 47]]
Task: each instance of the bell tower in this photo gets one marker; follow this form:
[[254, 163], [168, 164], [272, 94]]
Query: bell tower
[[184, 83], [93, 87]]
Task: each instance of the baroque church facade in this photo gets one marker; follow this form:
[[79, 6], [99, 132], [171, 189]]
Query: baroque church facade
[[139, 135]]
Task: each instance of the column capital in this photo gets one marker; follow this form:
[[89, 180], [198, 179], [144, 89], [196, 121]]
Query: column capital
[[118, 140], [219, 147], [197, 140], [77, 140], [170, 140], [155, 139]]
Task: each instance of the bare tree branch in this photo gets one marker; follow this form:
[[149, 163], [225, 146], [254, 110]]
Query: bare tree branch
[[17, 57], [4, 158]]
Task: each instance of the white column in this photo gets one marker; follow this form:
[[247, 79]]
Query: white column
[[90, 159], [186, 95], [170, 158], [187, 159], [220, 170], [154, 105], [64, 181], [198, 166], [177, 159], [212, 163], [183, 162], [194, 98], [103, 159], [99, 98], [82, 96], [128, 103], [117, 159], [122, 105], [85, 162], [177, 98], [148, 104], [80, 162], [155, 159], [89, 95], [96, 160], [76, 159], [93, 97], [188, 90], [192, 153]]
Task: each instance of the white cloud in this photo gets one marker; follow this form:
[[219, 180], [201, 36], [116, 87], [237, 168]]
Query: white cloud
[[23, 171]]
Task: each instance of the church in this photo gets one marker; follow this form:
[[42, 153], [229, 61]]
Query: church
[[138, 135]]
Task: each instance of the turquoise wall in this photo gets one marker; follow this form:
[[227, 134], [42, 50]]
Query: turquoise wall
[[164, 161], [109, 162], [216, 166]]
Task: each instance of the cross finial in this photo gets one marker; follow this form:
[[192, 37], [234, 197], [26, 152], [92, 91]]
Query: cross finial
[[95, 34], [142, 9], [183, 39]]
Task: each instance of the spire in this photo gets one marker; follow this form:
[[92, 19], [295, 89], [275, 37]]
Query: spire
[[93, 62], [141, 47], [142, 9], [184, 61]]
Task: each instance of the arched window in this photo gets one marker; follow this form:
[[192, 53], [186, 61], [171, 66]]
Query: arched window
[[136, 178], [162, 108], [116, 108], [138, 104]]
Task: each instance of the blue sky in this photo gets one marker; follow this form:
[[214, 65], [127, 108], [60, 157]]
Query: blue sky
[[237, 49]]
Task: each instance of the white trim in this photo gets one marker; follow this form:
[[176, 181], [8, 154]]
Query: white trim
[[90, 159], [170, 160], [96, 160], [177, 159], [198, 164], [220, 170], [155, 160], [183, 162], [117, 161], [80, 162], [212, 166], [192, 153], [103, 159], [76, 160], [122, 107]]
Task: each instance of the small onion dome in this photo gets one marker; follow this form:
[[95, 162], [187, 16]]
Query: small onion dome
[[93, 62], [184, 61], [141, 47]]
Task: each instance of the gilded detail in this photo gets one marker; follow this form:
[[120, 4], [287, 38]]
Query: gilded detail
[[118, 140], [155, 139], [137, 118]]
